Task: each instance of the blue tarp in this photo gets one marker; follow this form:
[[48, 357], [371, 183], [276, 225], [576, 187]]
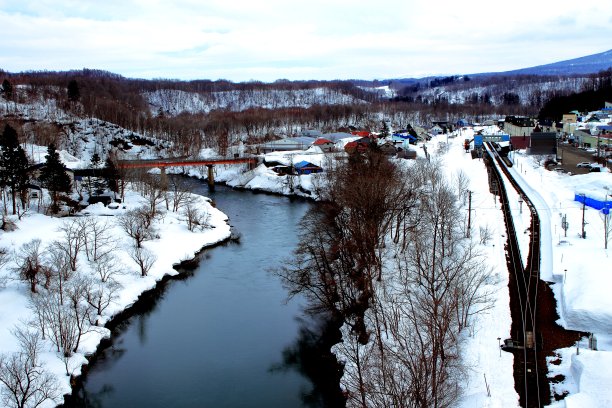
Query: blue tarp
[[604, 206]]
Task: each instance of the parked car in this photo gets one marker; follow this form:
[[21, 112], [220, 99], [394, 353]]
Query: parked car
[[584, 164], [595, 169]]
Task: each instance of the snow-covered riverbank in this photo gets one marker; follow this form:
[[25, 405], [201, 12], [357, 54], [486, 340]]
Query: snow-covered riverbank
[[172, 244]]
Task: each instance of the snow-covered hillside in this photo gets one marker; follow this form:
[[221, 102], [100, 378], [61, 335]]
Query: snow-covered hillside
[[527, 92], [174, 102]]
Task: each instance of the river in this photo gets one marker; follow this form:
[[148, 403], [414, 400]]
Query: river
[[222, 335]]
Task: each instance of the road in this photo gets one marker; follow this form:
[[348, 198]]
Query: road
[[570, 156]]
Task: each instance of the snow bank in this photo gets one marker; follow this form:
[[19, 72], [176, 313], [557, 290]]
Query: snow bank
[[590, 370]]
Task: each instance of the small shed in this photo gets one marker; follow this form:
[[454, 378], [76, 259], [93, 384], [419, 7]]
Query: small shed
[[305, 167]]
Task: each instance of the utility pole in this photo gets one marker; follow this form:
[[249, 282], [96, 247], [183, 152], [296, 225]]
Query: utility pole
[[469, 226], [583, 205]]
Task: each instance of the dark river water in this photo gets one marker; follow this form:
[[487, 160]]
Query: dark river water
[[222, 335]]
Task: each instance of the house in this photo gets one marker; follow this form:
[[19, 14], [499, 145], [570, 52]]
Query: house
[[569, 118], [357, 146], [335, 137], [282, 170], [518, 125], [361, 133], [442, 124], [311, 133], [287, 144], [436, 130], [325, 145], [543, 143], [305, 167], [547, 125]]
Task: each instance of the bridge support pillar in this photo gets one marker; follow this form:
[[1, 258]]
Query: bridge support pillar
[[163, 178], [211, 177]]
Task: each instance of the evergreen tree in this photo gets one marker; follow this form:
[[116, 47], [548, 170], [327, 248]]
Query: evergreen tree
[[95, 160], [54, 177], [7, 88], [96, 183], [111, 175], [13, 164], [73, 91], [384, 132]]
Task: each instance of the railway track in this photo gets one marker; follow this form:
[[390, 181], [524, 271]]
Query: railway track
[[526, 343]]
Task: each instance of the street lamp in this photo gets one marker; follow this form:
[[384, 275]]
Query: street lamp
[[499, 345], [520, 201]]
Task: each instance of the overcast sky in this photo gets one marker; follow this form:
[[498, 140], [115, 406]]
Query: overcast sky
[[265, 40]]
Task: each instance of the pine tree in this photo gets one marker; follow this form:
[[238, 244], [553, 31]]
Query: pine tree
[[13, 164], [385, 130], [111, 175], [96, 182], [73, 91], [7, 89], [54, 177]]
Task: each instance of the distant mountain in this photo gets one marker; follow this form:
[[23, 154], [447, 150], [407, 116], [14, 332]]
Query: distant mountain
[[590, 64]]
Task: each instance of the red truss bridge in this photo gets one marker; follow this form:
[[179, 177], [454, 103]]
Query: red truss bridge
[[182, 162]]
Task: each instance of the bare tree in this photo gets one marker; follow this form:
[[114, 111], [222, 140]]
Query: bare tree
[[181, 196], [73, 240], [24, 382], [356, 361], [60, 271], [462, 183], [98, 239], [29, 264], [57, 320], [606, 217], [155, 191], [137, 224], [80, 309], [100, 295], [196, 218], [106, 267], [485, 234], [143, 258]]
